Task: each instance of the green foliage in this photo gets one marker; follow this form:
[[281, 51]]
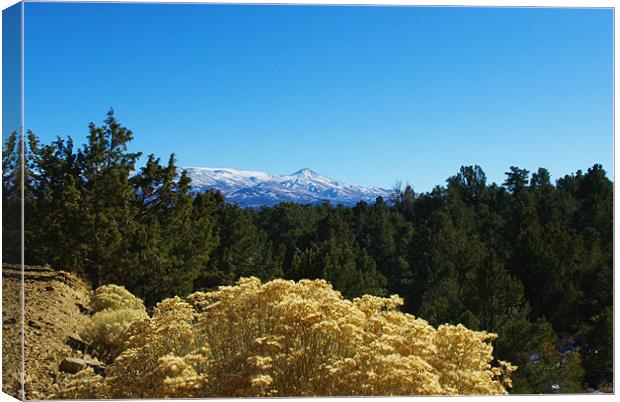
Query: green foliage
[[544, 369], [243, 250], [11, 198], [337, 258], [530, 259], [597, 348]]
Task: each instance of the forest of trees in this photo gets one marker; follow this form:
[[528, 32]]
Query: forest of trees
[[529, 259]]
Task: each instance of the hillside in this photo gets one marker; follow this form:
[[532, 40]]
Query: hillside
[[56, 311], [370, 331], [530, 259]]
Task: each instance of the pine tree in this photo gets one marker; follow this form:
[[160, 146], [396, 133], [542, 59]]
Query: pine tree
[[243, 250], [11, 199]]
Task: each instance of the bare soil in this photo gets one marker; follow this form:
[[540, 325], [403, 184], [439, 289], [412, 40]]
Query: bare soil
[[56, 309]]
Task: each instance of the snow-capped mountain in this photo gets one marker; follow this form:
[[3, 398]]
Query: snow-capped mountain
[[254, 189]]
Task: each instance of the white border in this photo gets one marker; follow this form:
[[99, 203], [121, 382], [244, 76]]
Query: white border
[[448, 3]]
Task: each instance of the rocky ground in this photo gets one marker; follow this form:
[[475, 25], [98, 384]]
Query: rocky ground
[[56, 311]]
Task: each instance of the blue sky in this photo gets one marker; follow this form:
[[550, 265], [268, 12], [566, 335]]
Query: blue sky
[[11, 68], [367, 95]]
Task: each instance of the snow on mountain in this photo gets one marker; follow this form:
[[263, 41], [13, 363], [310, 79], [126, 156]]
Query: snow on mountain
[[254, 189]]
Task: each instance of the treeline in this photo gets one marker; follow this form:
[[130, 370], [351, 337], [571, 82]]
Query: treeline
[[529, 259]]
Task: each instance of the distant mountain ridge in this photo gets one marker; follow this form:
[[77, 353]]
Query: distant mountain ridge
[[255, 189]]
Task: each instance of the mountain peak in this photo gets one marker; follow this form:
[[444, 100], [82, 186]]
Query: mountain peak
[[305, 172], [255, 189]]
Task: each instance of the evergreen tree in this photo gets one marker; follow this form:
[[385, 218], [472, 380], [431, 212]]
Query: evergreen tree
[[543, 369], [11, 199], [597, 345], [105, 166], [243, 250], [530, 259], [177, 233]]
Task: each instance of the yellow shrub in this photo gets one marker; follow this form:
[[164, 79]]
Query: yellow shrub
[[115, 309], [83, 385], [115, 297], [284, 338], [106, 329]]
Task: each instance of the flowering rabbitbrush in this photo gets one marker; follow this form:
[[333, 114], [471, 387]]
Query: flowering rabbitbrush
[[286, 338]]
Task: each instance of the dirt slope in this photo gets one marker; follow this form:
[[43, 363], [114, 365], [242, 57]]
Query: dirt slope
[[56, 308]]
